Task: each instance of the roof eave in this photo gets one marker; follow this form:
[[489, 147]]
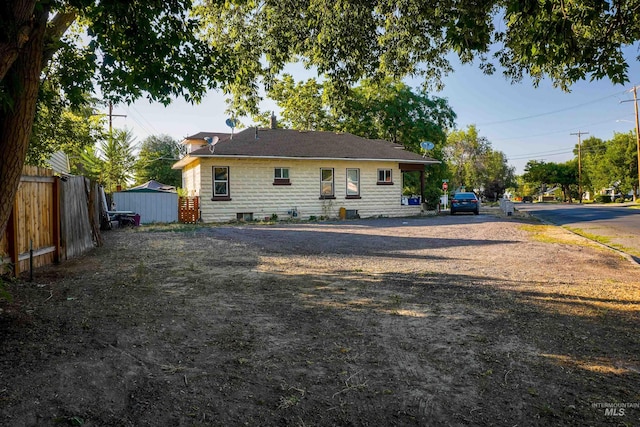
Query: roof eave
[[184, 162], [237, 156]]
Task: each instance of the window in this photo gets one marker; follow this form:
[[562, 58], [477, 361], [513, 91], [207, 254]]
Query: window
[[353, 183], [221, 183], [326, 184], [384, 177], [281, 176]]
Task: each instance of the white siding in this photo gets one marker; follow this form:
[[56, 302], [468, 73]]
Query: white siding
[[151, 206], [252, 190], [191, 179]]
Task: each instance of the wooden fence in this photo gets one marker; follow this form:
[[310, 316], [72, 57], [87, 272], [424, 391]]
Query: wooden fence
[[188, 210], [50, 221]]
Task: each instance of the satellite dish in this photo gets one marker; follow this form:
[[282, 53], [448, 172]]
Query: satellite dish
[[426, 145], [211, 142], [231, 123]]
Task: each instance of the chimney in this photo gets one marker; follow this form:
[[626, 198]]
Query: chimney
[[274, 121]]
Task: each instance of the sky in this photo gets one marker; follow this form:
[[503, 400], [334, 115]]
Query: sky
[[524, 122]]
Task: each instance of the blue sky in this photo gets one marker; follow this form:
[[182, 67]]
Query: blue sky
[[522, 121]]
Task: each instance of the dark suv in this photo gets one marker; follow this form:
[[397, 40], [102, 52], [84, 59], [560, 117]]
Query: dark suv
[[527, 199]]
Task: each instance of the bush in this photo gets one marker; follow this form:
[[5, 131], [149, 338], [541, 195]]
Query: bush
[[432, 197], [620, 200], [602, 198]]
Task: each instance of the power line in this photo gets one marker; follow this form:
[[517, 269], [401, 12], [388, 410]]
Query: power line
[[533, 116]]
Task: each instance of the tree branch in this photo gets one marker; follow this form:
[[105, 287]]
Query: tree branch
[[55, 30]]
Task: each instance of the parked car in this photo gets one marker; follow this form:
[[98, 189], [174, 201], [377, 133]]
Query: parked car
[[527, 199], [465, 202]]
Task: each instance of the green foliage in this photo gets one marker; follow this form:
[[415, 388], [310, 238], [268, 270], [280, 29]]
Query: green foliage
[[382, 109], [565, 175], [610, 164], [432, 195], [301, 104], [156, 156], [59, 127], [475, 165], [347, 41], [110, 165], [602, 198]]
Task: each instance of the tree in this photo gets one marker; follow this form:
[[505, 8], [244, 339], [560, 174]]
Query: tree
[[612, 163], [498, 175], [475, 165], [127, 49], [382, 109], [621, 161], [464, 154], [112, 164], [59, 127], [156, 156], [565, 175], [301, 104], [346, 41], [594, 175]]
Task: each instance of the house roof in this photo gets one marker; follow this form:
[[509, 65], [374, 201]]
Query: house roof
[[203, 135], [153, 185], [294, 144]]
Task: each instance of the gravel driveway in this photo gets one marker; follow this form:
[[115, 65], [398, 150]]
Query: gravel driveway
[[463, 320]]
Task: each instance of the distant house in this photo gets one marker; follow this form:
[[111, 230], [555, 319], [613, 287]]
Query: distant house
[[259, 173], [59, 162]]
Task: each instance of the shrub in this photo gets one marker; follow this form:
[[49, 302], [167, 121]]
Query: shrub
[[432, 197], [602, 198]]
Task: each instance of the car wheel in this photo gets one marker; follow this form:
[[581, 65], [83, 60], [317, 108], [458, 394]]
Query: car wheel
[[476, 212], [452, 211]]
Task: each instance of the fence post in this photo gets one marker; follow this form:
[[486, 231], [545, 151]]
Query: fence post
[[12, 238], [57, 243]]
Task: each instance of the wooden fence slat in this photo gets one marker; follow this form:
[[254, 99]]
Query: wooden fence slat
[[188, 210], [44, 208]]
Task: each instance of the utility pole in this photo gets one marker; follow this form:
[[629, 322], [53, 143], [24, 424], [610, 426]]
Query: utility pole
[[111, 116], [579, 163], [635, 104]]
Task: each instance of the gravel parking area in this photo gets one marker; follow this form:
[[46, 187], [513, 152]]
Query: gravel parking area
[[447, 320]]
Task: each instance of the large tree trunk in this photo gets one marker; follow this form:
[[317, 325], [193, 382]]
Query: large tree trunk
[[22, 81], [16, 22]]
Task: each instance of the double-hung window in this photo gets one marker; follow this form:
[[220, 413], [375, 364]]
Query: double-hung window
[[221, 183], [281, 176], [326, 183], [385, 177], [353, 183]]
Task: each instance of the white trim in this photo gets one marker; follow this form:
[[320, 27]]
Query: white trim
[[188, 159]]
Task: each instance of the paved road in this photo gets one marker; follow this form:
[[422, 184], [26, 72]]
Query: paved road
[[619, 223]]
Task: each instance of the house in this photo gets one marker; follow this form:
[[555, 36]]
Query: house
[[284, 173]]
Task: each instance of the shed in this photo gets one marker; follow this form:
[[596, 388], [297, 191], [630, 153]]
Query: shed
[[153, 201]]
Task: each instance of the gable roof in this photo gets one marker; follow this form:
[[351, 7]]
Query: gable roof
[[294, 144]]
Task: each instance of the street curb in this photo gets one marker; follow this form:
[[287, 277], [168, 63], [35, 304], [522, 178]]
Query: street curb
[[634, 260]]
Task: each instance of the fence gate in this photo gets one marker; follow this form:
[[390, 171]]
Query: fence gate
[[188, 210]]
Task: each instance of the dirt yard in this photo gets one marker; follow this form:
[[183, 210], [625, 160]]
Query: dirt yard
[[465, 320]]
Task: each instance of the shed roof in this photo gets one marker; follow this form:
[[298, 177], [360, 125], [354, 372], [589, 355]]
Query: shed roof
[[288, 143], [153, 185]]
